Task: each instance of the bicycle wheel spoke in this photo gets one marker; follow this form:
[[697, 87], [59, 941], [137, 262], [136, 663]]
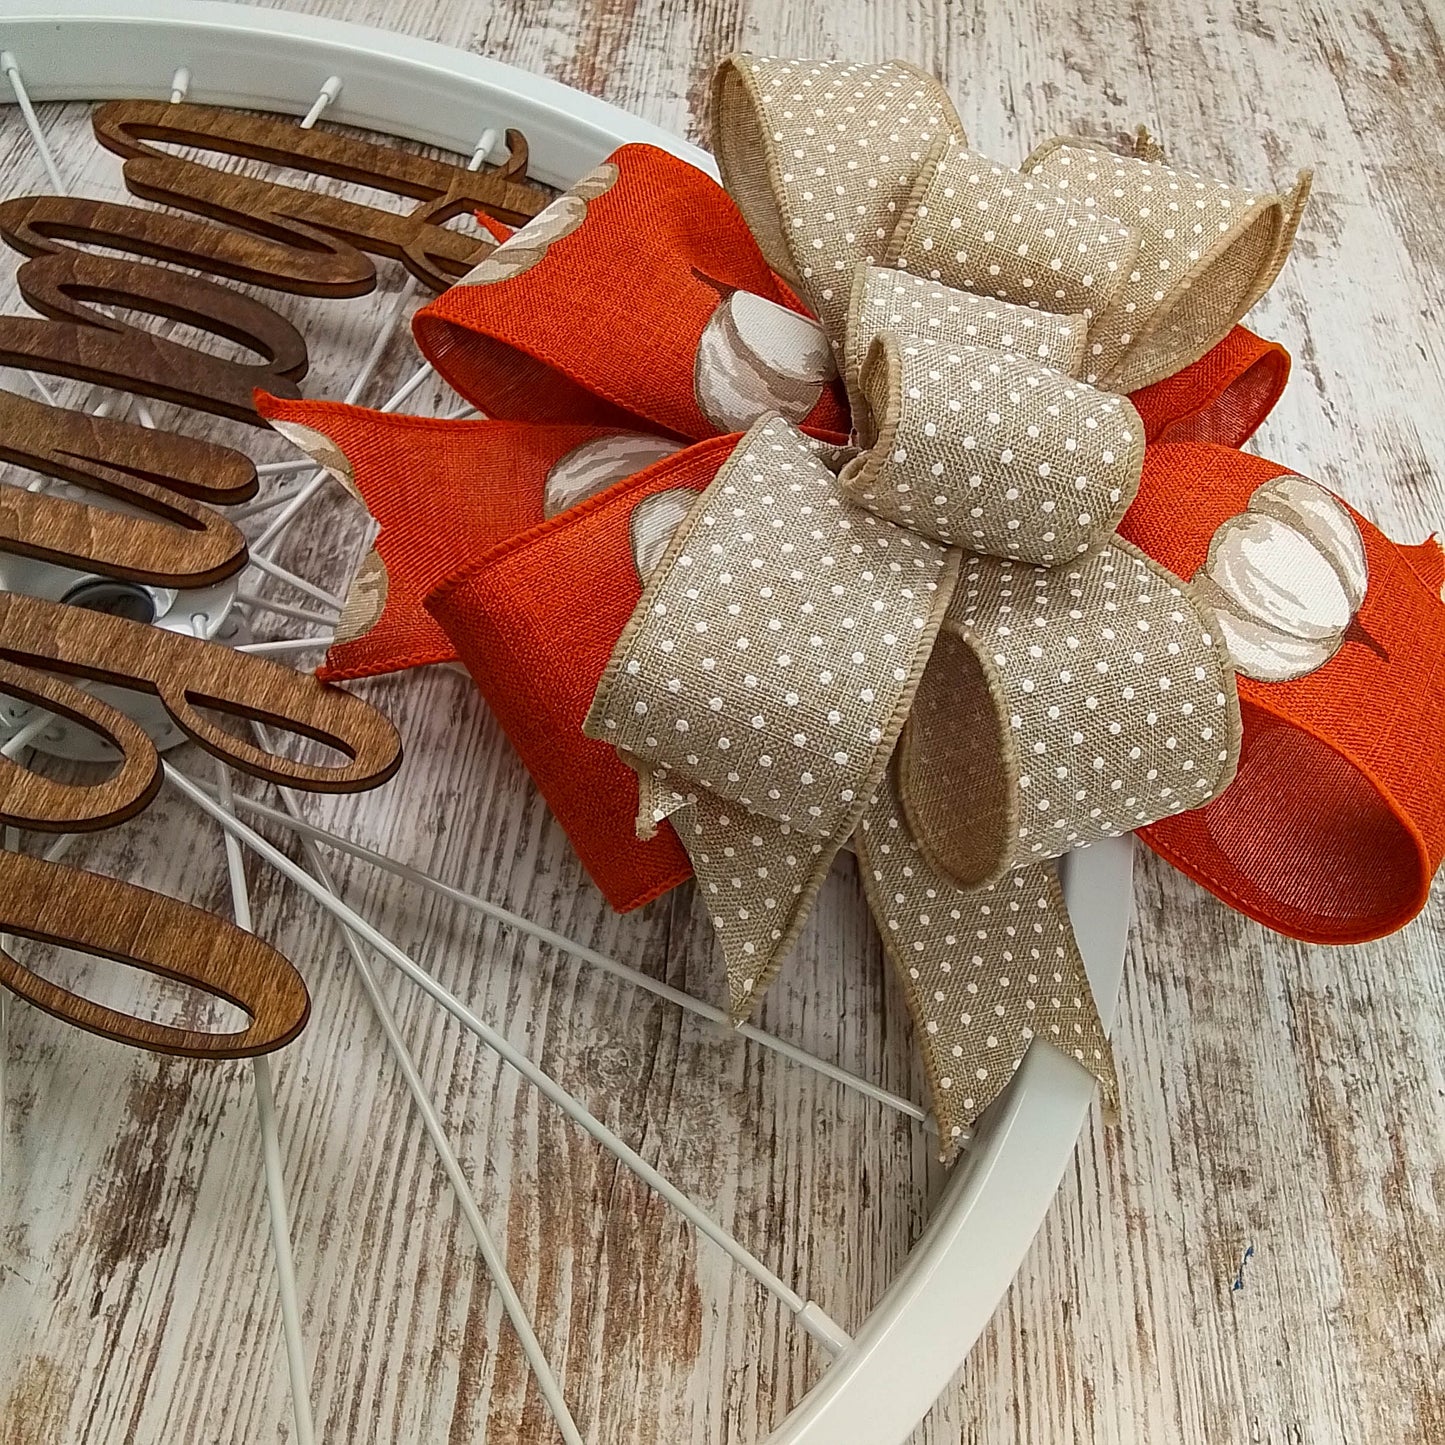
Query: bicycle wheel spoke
[[284, 609], [27, 734], [265, 1095], [283, 645], [274, 469], [330, 89], [492, 1258], [808, 1314], [611, 966], [281, 574], [11, 67]]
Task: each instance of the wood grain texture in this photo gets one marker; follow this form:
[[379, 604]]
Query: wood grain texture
[[166, 537], [193, 676], [418, 236], [107, 918], [1286, 1098]]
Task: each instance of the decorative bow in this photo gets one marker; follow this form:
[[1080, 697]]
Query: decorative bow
[[935, 642]]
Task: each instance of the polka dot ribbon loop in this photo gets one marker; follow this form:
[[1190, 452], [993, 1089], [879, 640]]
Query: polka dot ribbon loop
[[984, 972], [821, 158], [991, 451], [885, 299], [778, 644], [985, 228], [1060, 706], [940, 647], [761, 684], [1207, 252]]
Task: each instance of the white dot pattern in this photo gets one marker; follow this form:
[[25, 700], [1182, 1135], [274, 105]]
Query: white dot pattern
[[890, 300], [1207, 252], [988, 451], [848, 142], [986, 228], [1113, 693], [757, 878], [977, 312], [984, 972], [774, 644]]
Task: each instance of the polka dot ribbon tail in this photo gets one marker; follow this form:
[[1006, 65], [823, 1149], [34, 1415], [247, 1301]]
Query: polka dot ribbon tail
[[933, 644]]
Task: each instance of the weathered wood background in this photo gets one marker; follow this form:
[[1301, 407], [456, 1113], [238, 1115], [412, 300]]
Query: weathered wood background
[[1277, 1098]]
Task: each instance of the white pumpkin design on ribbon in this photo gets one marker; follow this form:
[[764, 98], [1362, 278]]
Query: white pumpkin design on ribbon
[[655, 520], [525, 247], [755, 356], [594, 466], [1285, 577], [365, 599], [321, 449]]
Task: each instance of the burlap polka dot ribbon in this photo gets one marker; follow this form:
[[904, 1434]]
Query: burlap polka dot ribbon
[[938, 647]]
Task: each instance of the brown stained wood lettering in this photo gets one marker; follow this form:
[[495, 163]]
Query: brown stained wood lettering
[[80, 342], [419, 239], [30, 800], [1279, 1096], [189, 674], [180, 543], [307, 263], [107, 918]]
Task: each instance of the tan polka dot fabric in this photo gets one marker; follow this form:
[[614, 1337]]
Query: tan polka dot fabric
[[984, 450], [885, 299], [1107, 694], [986, 228], [985, 972], [1207, 252], [775, 651], [936, 644], [821, 157], [758, 879]]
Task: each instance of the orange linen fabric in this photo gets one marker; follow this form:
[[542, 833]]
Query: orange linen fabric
[[1336, 822], [605, 327], [443, 492], [1222, 398], [535, 621]]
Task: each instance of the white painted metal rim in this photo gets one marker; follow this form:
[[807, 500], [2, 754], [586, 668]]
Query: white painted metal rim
[[902, 1357]]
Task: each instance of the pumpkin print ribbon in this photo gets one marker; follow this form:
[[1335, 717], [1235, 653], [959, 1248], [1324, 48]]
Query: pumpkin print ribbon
[[1050, 678], [817, 655]]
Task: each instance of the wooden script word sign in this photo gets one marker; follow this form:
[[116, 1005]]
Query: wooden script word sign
[[240, 229], [418, 238], [177, 542], [279, 237], [106, 918]]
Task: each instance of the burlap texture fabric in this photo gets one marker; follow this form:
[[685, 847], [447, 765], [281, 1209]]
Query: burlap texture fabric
[[821, 158], [985, 972], [983, 227], [786, 639], [778, 644], [761, 684], [1208, 251], [1106, 698], [885, 299], [985, 450]]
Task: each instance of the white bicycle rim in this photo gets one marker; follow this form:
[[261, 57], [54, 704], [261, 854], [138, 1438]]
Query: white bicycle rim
[[881, 1383]]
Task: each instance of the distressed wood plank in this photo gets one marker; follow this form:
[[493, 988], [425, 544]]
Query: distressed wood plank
[[1287, 1098]]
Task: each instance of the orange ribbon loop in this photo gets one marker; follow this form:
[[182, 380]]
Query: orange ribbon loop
[[516, 546]]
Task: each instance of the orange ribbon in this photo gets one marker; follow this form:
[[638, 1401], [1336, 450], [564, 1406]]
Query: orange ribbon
[[509, 544]]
